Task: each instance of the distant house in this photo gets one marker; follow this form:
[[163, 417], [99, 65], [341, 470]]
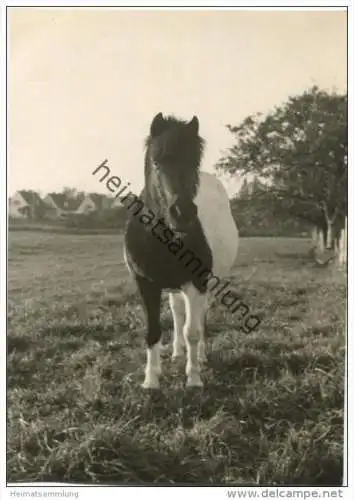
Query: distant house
[[94, 202], [26, 205], [117, 202], [59, 205]]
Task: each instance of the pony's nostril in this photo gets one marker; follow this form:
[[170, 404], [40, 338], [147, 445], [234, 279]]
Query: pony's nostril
[[185, 216]]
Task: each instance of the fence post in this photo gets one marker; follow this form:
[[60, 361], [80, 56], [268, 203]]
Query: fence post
[[320, 241], [342, 245]]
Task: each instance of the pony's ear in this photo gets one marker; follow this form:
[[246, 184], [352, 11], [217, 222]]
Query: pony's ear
[[193, 125], [157, 125]]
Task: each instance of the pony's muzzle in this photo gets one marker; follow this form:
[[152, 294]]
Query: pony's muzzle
[[183, 215]]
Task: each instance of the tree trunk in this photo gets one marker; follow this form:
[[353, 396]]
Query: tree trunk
[[320, 241], [314, 235], [329, 236], [342, 245], [329, 222]]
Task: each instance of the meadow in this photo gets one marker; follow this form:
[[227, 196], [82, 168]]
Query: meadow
[[271, 411]]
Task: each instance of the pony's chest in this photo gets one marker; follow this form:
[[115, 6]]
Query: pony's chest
[[163, 258]]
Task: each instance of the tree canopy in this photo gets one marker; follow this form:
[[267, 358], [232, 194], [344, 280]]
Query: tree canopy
[[298, 151]]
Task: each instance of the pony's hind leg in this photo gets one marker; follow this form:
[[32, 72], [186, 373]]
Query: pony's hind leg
[[196, 304], [178, 313], [151, 297], [202, 357]]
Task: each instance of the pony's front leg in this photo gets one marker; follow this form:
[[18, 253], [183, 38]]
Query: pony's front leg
[[151, 297], [194, 333]]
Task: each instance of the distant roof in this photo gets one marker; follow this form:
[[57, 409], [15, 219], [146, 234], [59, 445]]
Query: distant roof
[[64, 202], [117, 202], [31, 197], [101, 200]]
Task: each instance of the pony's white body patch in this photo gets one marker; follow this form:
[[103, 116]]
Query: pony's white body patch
[[218, 223]]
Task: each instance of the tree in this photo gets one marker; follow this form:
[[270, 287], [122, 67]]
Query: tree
[[73, 194], [298, 152], [69, 192]]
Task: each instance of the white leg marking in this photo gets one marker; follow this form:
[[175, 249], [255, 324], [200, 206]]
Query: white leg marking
[[192, 331], [153, 367], [202, 357], [178, 313]]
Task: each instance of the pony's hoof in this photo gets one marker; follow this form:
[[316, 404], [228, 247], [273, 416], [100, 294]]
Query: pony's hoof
[[151, 383], [177, 353], [164, 348], [176, 357], [158, 371], [194, 381], [202, 358]]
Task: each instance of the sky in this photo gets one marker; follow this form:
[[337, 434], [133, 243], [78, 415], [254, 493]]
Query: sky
[[84, 84]]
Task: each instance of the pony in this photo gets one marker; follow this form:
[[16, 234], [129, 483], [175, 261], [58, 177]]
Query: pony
[[181, 212]]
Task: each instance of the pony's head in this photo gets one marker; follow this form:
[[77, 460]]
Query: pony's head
[[173, 154]]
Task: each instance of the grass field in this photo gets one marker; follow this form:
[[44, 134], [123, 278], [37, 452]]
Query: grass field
[[271, 411]]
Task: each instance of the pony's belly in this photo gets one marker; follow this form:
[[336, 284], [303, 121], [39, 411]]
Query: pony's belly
[[218, 224], [224, 254]]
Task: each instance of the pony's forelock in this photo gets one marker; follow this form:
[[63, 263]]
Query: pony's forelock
[[172, 140]]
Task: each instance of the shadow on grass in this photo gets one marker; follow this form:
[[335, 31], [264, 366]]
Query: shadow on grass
[[18, 344], [298, 257], [97, 332], [271, 365]]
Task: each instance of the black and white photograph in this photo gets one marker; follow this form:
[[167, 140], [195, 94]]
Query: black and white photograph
[[175, 250]]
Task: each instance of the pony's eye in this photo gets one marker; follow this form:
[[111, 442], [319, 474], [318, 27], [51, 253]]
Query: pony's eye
[[157, 166]]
